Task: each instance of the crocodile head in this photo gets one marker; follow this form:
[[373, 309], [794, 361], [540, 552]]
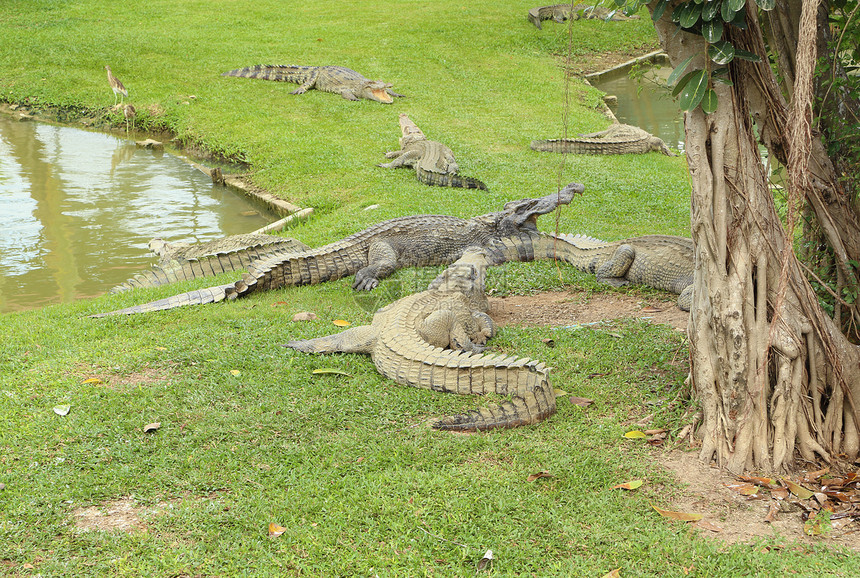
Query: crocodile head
[[378, 91], [410, 131], [658, 145], [522, 215]]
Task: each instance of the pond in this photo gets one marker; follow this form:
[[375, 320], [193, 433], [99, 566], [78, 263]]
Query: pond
[[645, 101], [78, 209]]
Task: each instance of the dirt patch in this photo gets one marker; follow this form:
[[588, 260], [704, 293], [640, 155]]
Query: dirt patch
[[118, 516], [741, 519], [562, 308]]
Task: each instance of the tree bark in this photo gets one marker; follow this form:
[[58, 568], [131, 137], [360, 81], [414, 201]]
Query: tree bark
[[770, 370]]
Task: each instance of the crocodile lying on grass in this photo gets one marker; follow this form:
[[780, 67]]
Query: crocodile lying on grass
[[618, 139], [337, 79], [184, 261], [376, 252], [434, 339], [433, 162], [562, 12]]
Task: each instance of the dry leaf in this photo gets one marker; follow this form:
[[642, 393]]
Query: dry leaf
[[706, 525], [614, 574], [651, 309], [744, 489], [538, 475], [772, 512], [279, 303], [95, 380], [779, 493], [341, 323], [797, 489], [151, 426], [235, 372], [683, 516], [330, 370], [159, 348], [485, 561], [548, 342], [305, 316], [559, 392], [813, 476], [635, 434], [631, 485], [62, 409], [276, 530], [581, 401], [757, 480]]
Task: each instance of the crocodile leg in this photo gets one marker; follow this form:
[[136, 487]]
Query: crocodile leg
[[382, 262], [614, 271], [401, 159], [309, 83], [349, 95]]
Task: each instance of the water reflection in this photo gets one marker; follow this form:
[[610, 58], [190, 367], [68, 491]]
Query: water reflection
[[646, 103], [77, 210]]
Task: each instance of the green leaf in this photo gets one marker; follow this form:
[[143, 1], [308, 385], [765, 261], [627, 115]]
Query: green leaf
[[710, 10], [62, 409], [329, 371], [709, 101], [744, 55], [727, 12], [721, 52], [683, 82], [694, 91], [635, 434], [736, 5], [690, 15], [676, 13], [679, 70], [740, 20], [713, 30], [766, 4], [658, 10]]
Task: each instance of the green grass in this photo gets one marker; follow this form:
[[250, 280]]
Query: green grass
[[346, 464]]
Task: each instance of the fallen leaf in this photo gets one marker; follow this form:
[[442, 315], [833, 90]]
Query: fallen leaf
[[559, 392], [159, 348], [341, 323], [95, 380], [62, 409], [706, 525], [772, 512], [651, 309], [279, 303], [613, 574], [581, 401], [485, 561], [276, 530], [235, 372], [635, 434], [757, 480], [683, 516], [744, 489], [797, 489], [811, 477], [27, 566], [330, 370], [151, 426], [779, 493], [305, 316], [631, 485], [548, 342], [537, 476]]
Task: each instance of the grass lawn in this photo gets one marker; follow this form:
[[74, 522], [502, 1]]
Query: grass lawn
[[248, 435]]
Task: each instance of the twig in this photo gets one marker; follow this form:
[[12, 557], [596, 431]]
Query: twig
[[441, 538]]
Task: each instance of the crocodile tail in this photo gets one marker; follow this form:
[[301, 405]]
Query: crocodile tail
[[198, 297], [277, 72], [586, 147], [531, 407], [354, 340], [448, 180]]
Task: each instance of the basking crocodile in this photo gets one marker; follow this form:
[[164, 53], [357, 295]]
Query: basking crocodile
[[433, 162], [343, 81], [660, 261], [434, 339], [184, 261], [618, 139], [376, 252], [562, 12]]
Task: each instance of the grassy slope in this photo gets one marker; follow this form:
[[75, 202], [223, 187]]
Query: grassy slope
[[343, 463]]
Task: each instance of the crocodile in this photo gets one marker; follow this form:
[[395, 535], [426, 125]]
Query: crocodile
[[618, 139], [661, 261], [376, 252], [185, 261], [433, 162], [562, 12], [434, 340], [337, 79]]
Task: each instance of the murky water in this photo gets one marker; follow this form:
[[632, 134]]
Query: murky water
[[646, 103], [78, 208]]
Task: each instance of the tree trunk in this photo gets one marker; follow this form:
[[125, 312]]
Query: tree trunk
[[773, 374]]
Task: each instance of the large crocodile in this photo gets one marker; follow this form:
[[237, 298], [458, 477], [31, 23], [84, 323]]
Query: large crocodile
[[433, 162], [337, 79], [434, 339], [562, 12], [618, 139], [184, 261], [376, 252]]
